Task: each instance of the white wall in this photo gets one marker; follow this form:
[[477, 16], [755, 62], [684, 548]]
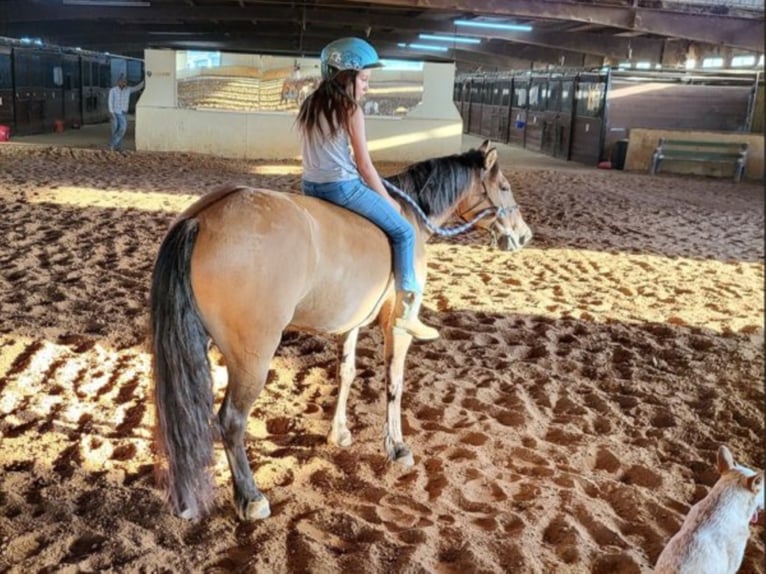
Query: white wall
[[432, 129], [438, 86], [160, 87]]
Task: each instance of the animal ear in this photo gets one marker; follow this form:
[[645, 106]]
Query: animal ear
[[490, 159], [484, 147], [725, 460], [755, 482]]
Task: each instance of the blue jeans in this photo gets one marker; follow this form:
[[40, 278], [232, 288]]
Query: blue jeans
[[119, 127], [355, 195]]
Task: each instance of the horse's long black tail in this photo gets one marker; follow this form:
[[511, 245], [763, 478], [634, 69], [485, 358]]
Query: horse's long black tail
[[183, 391]]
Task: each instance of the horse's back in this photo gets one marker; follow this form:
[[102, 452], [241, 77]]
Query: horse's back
[[283, 259]]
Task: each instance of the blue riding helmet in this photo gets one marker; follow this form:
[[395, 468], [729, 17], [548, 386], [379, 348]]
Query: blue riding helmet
[[347, 54]]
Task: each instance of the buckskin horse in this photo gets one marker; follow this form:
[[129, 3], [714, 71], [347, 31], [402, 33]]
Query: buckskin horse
[[242, 265]]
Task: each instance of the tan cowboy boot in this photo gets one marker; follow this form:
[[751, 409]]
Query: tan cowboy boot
[[406, 318]]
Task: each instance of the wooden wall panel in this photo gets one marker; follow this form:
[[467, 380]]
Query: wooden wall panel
[[673, 107]]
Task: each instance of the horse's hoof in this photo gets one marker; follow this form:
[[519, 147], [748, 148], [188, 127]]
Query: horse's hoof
[[189, 514], [403, 457], [256, 510], [342, 439]]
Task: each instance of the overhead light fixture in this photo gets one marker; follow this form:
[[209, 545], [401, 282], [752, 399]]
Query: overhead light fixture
[[427, 47], [456, 39], [494, 25], [112, 3]]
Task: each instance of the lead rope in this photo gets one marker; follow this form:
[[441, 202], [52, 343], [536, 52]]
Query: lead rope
[[451, 231]]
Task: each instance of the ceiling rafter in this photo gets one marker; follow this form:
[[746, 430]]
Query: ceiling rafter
[[569, 29], [730, 30]]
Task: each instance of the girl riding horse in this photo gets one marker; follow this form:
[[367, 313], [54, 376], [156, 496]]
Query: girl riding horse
[[332, 124]]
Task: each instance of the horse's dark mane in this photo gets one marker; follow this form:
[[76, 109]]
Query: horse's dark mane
[[436, 184]]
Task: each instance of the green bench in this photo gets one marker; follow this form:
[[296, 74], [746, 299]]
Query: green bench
[[733, 153]]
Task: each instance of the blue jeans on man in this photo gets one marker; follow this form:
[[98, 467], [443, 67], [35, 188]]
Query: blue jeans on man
[[353, 194], [119, 127]]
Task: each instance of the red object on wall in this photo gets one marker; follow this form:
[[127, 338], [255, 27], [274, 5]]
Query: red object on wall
[[5, 133]]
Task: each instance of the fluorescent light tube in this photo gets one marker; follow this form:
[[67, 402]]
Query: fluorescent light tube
[[494, 25], [429, 47], [456, 39]]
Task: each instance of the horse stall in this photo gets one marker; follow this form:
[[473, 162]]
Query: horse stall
[[588, 118], [536, 115], [462, 99], [46, 88], [96, 82], [28, 72], [476, 108], [557, 119], [582, 116], [495, 109], [6, 88], [502, 110], [72, 86], [557, 113], [53, 90], [518, 118]]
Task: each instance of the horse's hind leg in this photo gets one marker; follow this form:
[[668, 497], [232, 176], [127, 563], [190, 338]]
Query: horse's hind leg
[[339, 434], [247, 377], [396, 346]]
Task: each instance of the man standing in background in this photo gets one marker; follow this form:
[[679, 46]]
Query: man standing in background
[[119, 101]]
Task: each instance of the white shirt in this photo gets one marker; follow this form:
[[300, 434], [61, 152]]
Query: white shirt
[[119, 98], [326, 160]]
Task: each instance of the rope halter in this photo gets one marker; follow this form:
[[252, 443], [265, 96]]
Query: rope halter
[[497, 211]]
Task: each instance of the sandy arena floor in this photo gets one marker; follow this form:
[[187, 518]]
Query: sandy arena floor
[[565, 422]]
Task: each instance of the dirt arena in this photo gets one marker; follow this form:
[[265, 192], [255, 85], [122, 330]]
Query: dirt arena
[[565, 422]]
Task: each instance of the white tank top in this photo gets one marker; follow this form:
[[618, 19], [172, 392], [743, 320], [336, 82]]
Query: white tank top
[[326, 160]]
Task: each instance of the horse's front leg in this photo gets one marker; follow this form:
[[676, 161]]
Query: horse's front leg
[[339, 434], [396, 346]]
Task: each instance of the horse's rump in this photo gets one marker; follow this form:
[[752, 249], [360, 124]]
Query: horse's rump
[[315, 266]]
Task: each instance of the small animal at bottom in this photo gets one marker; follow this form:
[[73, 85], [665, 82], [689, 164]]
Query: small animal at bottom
[[714, 534]]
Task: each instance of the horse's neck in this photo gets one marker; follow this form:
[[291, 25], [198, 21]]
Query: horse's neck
[[435, 220], [422, 232], [417, 222]]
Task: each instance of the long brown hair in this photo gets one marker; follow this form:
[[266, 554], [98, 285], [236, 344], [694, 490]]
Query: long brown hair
[[335, 100]]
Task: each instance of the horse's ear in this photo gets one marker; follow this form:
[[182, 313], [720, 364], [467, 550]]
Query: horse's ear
[[725, 459], [490, 159]]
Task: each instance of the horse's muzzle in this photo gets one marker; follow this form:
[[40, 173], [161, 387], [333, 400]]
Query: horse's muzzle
[[509, 239], [512, 242]]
